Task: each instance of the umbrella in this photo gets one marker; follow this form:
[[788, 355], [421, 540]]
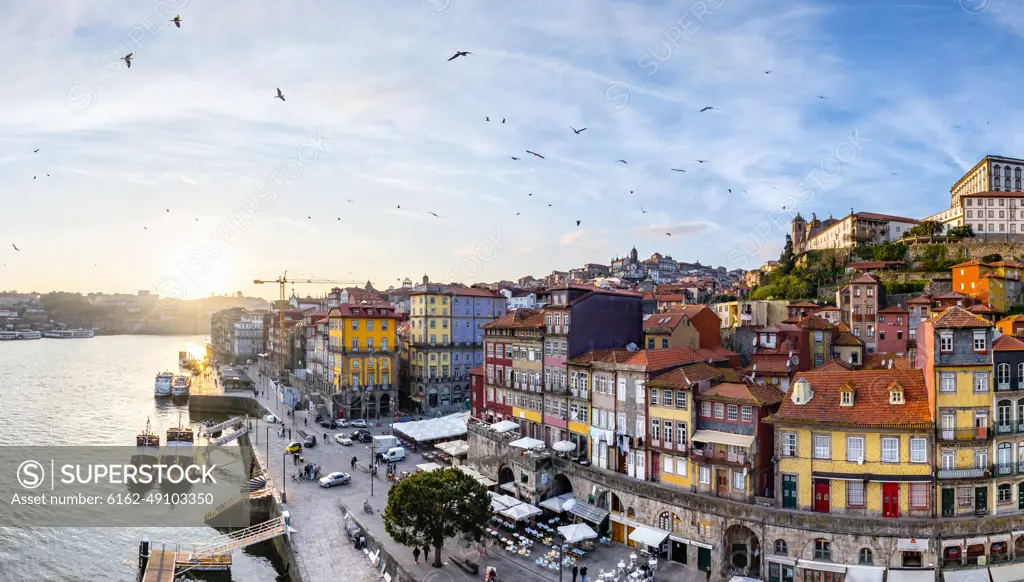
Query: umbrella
[[527, 443], [564, 446], [577, 532], [520, 512], [504, 426]]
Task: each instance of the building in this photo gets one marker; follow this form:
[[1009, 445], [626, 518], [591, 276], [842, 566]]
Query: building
[[991, 174], [997, 285], [856, 442], [363, 353], [478, 408], [793, 347], [830, 313], [849, 349], [847, 232], [513, 348], [893, 331], [954, 351], [757, 313], [1008, 412], [1011, 325], [859, 303], [802, 309]]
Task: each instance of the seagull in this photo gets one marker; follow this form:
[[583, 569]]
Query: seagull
[[535, 154], [15, 247], [47, 175], [954, 127], [709, 108], [399, 206], [168, 211], [893, 174], [35, 151], [517, 214], [310, 217], [460, 54], [280, 95], [487, 119], [623, 161], [577, 223], [197, 220], [177, 21], [516, 159], [145, 228], [347, 199], [668, 234], [503, 120], [530, 194], [631, 192], [127, 60], [701, 161], [677, 170], [730, 190], [549, 206], [642, 210], [767, 72], [33, 177], [339, 218], [577, 131], [435, 215], [822, 97]]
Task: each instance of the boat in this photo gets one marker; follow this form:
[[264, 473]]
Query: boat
[[163, 384], [178, 451], [8, 334], [147, 452], [69, 333], [29, 334], [147, 438], [180, 385]]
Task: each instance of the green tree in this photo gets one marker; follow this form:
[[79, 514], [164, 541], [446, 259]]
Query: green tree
[[928, 228], [993, 258], [427, 508], [965, 231], [787, 259]]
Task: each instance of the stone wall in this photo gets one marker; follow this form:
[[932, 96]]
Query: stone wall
[[974, 248]]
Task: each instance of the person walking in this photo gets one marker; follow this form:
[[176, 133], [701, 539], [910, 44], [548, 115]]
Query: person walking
[[416, 554], [583, 573], [575, 571], [305, 421], [426, 552]]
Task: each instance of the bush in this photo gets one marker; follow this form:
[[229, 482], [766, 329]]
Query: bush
[[908, 287], [993, 258]]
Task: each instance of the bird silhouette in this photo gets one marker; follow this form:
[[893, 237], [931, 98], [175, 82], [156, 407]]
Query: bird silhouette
[[487, 119], [577, 131], [517, 214], [348, 200], [168, 211], [549, 206], [177, 21], [767, 72], [642, 210], [35, 151], [310, 217], [668, 234], [630, 191], [197, 220], [503, 120], [578, 223], [145, 228], [822, 97], [515, 158], [280, 95], [339, 218], [701, 161], [954, 127], [399, 206], [709, 108], [435, 215], [535, 154], [47, 175], [530, 194], [677, 170], [128, 59], [459, 54], [15, 247], [730, 190], [33, 177]]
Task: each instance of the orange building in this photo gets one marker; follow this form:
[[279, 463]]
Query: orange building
[[995, 284]]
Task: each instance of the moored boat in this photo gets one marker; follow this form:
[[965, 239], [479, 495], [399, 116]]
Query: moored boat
[[163, 384], [69, 333], [180, 385], [8, 334], [147, 452], [29, 334], [178, 451]]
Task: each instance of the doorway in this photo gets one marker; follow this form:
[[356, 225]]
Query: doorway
[[789, 491], [890, 499], [949, 502], [721, 482], [704, 559], [822, 494], [980, 500]]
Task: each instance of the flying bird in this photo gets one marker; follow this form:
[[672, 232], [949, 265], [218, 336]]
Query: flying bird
[[517, 214], [642, 210], [954, 127], [515, 158], [168, 211], [145, 228], [33, 177], [822, 97], [435, 215], [709, 108], [348, 200], [127, 60], [459, 54], [767, 72], [35, 151], [310, 217], [535, 154], [668, 234], [399, 206], [577, 131], [578, 223], [339, 218], [487, 119], [15, 247], [530, 194], [47, 175], [630, 191], [280, 95], [549, 206], [503, 120], [677, 170], [197, 220], [730, 190], [701, 161], [177, 21], [623, 161]]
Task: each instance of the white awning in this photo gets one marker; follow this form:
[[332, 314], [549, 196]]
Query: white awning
[[648, 536], [959, 543], [723, 438], [486, 482], [912, 544], [781, 560], [469, 471], [527, 443], [509, 486], [427, 467], [577, 532], [521, 511], [556, 504], [864, 573], [998, 538], [967, 575], [504, 426], [976, 541], [915, 575], [433, 429], [821, 566], [1007, 572]]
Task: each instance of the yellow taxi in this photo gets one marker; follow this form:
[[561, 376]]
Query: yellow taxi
[[293, 447]]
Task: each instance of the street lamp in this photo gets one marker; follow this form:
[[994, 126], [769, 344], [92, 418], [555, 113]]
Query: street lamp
[[284, 480], [561, 544], [268, 444]]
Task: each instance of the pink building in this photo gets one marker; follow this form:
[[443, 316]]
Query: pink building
[[893, 330]]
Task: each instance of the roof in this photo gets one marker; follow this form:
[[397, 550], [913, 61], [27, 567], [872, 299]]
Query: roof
[[804, 304], [518, 319], [957, 317], [881, 360], [650, 359], [474, 292], [378, 310], [663, 320], [885, 217], [867, 278], [770, 367], [477, 371], [814, 322], [982, 308], [893, 309], [991, 194], [829, 308], [970, 263], [1007, 343], [1011, 319], [757, 394], [686, 376], [835, 365], [950, 295], [847, 339], [921, 299], [871, 407], [842, 327]]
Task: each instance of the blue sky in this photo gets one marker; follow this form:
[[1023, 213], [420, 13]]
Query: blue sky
[[376, 114]]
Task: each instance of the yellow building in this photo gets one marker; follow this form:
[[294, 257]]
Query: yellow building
[[955, 353], [429, 345], [856, 442], [363, 346]]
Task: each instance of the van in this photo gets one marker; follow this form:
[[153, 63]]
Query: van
[[393, 454], [271, 419]]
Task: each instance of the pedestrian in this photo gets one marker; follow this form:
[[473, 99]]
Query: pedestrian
[[708, 573], [416, 554], [575, 571], [426, 552], [583, 573], [305, 421], [289, 433]]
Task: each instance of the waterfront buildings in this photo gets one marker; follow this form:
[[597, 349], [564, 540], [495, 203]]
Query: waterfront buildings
[[997, 285], [236, 335], [363, 354], [893, 330]]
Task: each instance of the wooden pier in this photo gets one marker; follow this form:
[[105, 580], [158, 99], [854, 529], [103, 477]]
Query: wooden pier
[[163, 565], [160, 567]]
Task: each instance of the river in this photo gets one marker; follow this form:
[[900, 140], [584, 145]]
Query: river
[[95, 391]]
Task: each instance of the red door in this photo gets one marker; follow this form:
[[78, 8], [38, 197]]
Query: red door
[[822, 489], [890, 499]]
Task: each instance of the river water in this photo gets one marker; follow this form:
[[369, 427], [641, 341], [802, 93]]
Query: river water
[[95, 391]]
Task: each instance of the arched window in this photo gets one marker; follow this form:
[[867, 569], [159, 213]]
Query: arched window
[[995, 181], [781, 548], [822, 550], [1004, 415], [1006, 172], [631, 513], [664, 522], [864, 557]]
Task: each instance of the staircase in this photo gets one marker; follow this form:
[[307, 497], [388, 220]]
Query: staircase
[[234, 541]]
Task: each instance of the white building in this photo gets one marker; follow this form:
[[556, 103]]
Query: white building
[[851, 230], [522, 299], [988, 197], [248, 335]]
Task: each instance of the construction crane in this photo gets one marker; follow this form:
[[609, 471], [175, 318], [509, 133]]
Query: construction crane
[[282, 281]]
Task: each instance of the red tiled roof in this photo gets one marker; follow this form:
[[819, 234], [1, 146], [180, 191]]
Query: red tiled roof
[[893, 309], [884, 217], [518, 319], [950, 295], [970, 263], [374, 310], [847, 339], [991, 194], [956, 317], [814, 322], [474, 292], [671, 297], [666, 320], [982, 308], [828, 308], [871, 405], [867, 278], [718, 353], [664, 358], [771, 367], [757, 394], [880, 361], [687, 376], [835, 365], [842, 327], [1007, 343]]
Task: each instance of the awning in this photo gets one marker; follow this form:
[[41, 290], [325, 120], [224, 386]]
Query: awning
[[586, 511], [966, 575], [648, 536], [864, 573], [486, 482], [1007, 573], [528, 443], [912, 544], [915, 575], [959, 543], [821, 566], [557, 504], [504, 426], [521, 512], [998, 538], [509, 486], [577, 532], [781, 560], [976, 541], [723, 438], [469, 471], [427, 467]]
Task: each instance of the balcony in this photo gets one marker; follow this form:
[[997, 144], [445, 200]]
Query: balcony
[[1009, 386], [708, 455], [964, 435], [970, 472], [370, 350], [580, 393], [1008, 469], [428, 344]]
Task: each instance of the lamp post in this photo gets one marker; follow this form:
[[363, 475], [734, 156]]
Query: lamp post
[[284, 480], [561, 544], [268, 445]]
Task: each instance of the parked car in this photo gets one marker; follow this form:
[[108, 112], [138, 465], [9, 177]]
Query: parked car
[[309, 442], [293, 447], [327, 423], [337, 478], [271, 419], [359, 423], [342, 439], [365, 437], [358, 434], [394, 454], [340, 423]]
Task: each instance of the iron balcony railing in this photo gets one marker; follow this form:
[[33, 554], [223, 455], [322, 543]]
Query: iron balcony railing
[[965, 435], [1008, 469]]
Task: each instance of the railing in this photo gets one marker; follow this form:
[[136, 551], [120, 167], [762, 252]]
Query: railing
[[978, 433], [1008, 469], [1007, 386], [969, 472]]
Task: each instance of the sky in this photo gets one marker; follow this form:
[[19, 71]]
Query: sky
[[184, 175]]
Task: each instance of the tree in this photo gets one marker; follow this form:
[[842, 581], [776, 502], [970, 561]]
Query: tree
[[427, 508], [993, 258], [965, 231], [928, 228], [787, 260]]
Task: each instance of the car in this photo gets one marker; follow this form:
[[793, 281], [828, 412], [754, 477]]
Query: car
[[293, 447], [271, 419], [360, 423], [336, 478], [342, 440], [340, 423], [327, 424], [249, 362], [393, 455], [309, 442]]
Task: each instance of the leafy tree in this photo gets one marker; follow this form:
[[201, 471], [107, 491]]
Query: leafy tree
[[965, 231], [928, 228], [788, 259], [427, 508], [993, 258]]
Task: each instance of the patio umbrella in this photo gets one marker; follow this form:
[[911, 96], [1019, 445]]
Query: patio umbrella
[[527, 443], [577, 532], [521, 511], [564, 446], [504, 426]]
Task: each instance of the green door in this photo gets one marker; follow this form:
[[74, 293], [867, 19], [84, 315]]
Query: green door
[[981, 500], [703, 559], [948, 500], [1020, 495], [789, 491]]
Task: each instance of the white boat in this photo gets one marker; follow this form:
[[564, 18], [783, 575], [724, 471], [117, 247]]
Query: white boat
[[29, 334], [163, 384], [69, 333], [179, 386], [6, 335]]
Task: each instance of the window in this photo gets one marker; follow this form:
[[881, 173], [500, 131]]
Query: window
[[822, 550], [719, 410], [946, 341], [979, 340], [355, 324], [890, 450], [704, 476], [948, 380], [846, 398], [965, 497], [789, 444], [490, 348], [705, 409], [704, 528], [981, 381], [854, 448], [864, 557], [738, 480], [918, 450], [499, 350], [855, 494], [781, 548], [732, 412], [822, 446], [1004, 493], [668, 433], [919, 495], [654, 396], [747, 414], [655, 429]]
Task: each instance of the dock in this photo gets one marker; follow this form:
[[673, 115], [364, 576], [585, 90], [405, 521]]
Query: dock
[[160, 567], [163, 565]]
